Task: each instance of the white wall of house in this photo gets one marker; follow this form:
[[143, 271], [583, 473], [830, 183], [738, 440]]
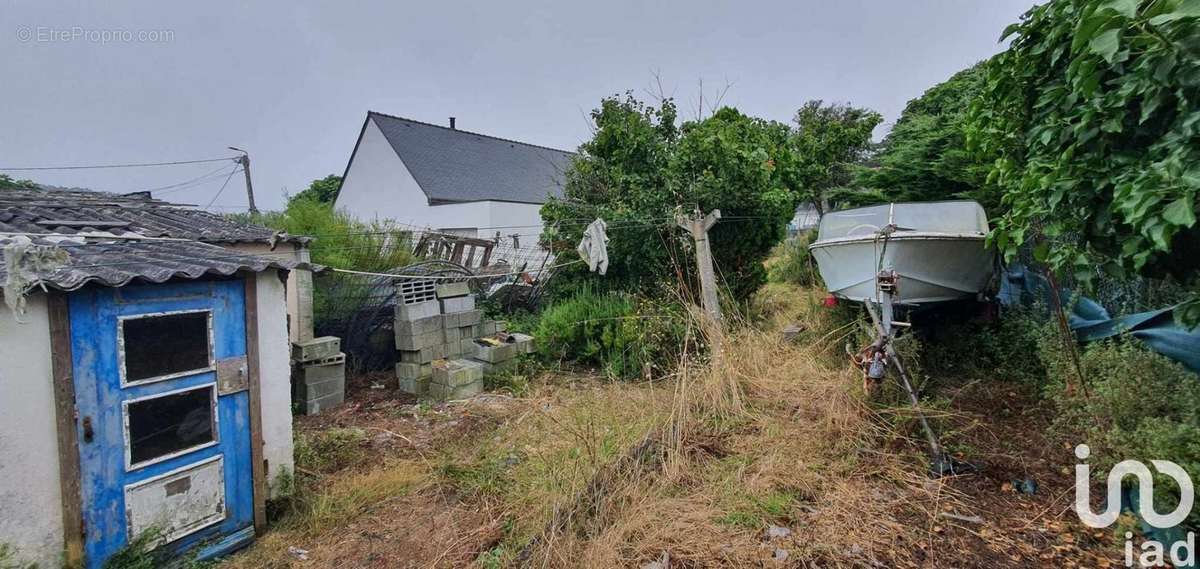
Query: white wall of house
[[30, 497], [379, 186]]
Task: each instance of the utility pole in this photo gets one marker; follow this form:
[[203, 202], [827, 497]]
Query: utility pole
[[698, 226], [244, 160]]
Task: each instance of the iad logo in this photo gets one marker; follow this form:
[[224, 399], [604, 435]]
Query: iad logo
[[1182, 552]]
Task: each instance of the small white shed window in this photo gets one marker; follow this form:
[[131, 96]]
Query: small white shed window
[[159, 346]]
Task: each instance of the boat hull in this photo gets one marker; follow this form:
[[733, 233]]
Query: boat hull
[[933, 267]]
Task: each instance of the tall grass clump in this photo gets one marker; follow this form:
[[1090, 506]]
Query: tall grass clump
[[622, 334], [792, 262]]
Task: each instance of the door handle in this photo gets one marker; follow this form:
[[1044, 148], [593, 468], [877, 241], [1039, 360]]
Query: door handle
[[88, 432]]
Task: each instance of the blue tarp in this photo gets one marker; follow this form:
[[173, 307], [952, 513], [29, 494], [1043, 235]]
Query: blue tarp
[[1090, 321]]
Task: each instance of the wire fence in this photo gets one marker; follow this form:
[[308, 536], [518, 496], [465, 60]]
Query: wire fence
[[359, 306], [1119, 295]]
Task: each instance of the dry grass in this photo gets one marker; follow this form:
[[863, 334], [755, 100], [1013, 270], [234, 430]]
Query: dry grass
[[339, 501], [588, 472], [766, 434]]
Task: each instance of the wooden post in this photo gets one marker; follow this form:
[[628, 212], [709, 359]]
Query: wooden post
[[258, 463], [62, 368], [698, 226]]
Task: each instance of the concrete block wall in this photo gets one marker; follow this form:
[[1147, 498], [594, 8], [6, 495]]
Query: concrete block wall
[[445, 345]]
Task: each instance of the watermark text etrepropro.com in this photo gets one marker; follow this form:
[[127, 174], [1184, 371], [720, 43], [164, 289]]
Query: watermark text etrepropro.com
[[51, 34]]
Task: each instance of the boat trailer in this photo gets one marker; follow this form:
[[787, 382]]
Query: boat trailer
[[880, 354]]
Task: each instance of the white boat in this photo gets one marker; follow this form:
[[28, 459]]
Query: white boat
[[936, 249]]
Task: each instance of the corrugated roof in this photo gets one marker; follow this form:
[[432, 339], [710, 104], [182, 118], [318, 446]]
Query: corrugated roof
[[119, 262], [75, 211], [454, 165]]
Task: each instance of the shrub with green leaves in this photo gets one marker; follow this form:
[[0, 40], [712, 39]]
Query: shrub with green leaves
[[640, 166], [792, 262], [616, 332], [342, 241], [1093, 118], [1140, 405]]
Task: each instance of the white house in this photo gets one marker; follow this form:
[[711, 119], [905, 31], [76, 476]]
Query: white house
[[446, 179], [146, 382]]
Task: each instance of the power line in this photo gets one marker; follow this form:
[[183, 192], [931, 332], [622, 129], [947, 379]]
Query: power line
[[135, 165], [227, 178], [163, 190]]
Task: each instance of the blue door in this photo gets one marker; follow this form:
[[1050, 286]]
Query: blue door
[[163, 418]]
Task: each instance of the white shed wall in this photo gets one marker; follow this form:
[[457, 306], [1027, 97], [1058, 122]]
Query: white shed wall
[[379, 186], [274, 372], [30, 496]]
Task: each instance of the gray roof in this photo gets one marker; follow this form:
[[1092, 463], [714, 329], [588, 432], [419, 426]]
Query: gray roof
[[75, 211], [116, 262], [454, 165]]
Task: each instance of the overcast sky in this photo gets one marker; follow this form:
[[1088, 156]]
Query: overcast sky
[[292, 81]]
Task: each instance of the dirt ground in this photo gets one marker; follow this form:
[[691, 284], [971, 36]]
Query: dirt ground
[[1002, 429]]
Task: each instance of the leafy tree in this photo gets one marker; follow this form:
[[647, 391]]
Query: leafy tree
[[324, 190], [924, 157], [7, 183], [639, 167], [1094, 115], [829, 140]]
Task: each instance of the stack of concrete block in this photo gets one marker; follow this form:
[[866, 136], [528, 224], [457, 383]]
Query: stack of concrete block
[[440, 337], [456, 379], [319, 374]]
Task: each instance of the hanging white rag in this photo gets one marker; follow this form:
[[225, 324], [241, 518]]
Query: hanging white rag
[[594, 246]]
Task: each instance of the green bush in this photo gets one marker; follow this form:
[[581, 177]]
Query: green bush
[[342, 241], [1139, 405], [792, 262], [619, 333], [1010, 348]]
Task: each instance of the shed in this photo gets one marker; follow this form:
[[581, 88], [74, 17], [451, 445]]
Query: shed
[[146, 388]]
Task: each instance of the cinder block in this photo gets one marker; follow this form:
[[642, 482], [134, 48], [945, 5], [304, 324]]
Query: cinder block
[[445, 392], [501, 325], [451, 290], [311, 373], [468, 347], [473, 331], [470, 317], [316, 348], [323, 404], [452, 334], [495, 354], [419, 341], [457, 304], [415, 386], [523, 342], [419, 326], [489, 369], [456, 373], [450, 320], [406, 370], [424, 355], [453, 349], [317, 390], [487, 327], [417, 310]]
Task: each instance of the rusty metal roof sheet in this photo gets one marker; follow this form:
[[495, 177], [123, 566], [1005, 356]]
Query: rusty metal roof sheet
[[117, 262], [72, 212]]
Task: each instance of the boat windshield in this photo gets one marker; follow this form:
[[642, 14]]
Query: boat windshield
[[939, 217]]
